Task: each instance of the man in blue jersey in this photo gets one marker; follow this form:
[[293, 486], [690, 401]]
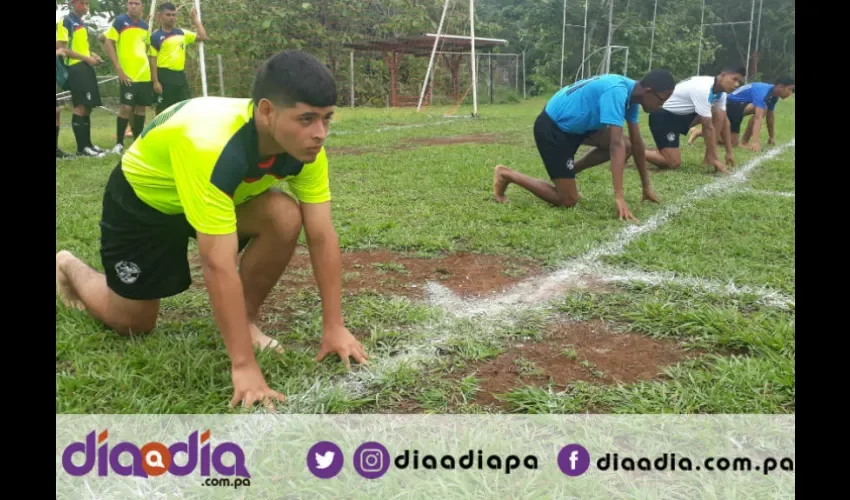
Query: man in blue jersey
[[758, 99], [590, 112]]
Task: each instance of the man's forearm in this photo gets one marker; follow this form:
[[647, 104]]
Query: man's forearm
[[771, 132], [708, 131], [71, 53], [113, 56], [727, 134], [639, 153], [228, 305], [154, 72], [327, 268], [618, 165]]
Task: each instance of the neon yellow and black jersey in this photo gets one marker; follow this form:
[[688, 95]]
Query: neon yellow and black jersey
[[132, 41], [70, 29], [200, 158], [169, 47]]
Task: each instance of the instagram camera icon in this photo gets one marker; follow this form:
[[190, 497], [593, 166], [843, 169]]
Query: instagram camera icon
[[371, 460]]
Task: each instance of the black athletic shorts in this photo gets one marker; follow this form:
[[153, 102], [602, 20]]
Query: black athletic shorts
[[137, 94], [175, 88], [143, 251], [666, 127], [556, 147], [735, 112], [82, 82]]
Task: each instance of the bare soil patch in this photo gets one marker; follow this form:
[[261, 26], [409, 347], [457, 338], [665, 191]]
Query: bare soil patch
[[586, 351], [456, 139]]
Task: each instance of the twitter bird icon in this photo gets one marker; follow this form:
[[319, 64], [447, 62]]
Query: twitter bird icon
[[325, 460]]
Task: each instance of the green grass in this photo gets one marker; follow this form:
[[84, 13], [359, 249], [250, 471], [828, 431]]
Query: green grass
[[400, 194], [744, 238]]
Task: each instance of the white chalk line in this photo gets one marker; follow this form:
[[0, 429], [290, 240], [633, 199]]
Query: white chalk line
[[535, 293], [535, 290], [765, 192]]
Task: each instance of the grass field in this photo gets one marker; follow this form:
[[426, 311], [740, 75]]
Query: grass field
[[689, 311]]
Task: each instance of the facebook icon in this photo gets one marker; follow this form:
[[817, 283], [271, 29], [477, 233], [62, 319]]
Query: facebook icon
[[573, 460]]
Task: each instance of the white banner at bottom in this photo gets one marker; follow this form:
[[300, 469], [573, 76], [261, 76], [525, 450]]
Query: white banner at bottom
[[425, 456]]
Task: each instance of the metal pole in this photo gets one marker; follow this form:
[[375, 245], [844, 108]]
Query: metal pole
[[750, 42], [220, 76], [490, 77], [758, 32], [474, 70], [584, 40], [351, 75], [626, 65], [563, 41], [652, 40], [610, 32], [516, 73], [523, 74], [699, 48], [201, 55], [433, 53]]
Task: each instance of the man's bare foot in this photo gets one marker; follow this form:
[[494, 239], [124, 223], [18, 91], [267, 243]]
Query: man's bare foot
[[692, 135], [500, 183], [263, 341], [63, 285]]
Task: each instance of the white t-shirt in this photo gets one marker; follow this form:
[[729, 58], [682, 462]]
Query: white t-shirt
[[695, 95]]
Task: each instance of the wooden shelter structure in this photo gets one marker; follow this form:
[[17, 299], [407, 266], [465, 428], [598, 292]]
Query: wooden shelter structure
[[452, 48]]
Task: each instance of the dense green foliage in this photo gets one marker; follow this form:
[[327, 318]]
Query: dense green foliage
[[244, 32]]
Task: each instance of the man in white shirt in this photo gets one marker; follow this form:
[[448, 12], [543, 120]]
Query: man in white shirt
[[699, 99]]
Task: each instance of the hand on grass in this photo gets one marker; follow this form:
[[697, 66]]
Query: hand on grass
[[623, 212], [718, 166], [340, 341], [649, 195], [250, 387]]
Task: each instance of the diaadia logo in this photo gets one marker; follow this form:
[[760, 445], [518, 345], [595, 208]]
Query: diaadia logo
[[154, 458]]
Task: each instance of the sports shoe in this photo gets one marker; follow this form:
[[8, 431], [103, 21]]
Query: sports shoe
[[87, 151]]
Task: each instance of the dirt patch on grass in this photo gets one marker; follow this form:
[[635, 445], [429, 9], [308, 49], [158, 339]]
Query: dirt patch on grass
[[393, 273], [586, 351], [456, 139], [346, 151]]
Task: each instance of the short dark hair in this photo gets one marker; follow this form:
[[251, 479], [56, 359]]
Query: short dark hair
[[784, 80], [166, 6], [659, 80], [733, 68], [293, 76]]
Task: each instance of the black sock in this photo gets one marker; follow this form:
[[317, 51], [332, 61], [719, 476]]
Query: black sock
[[122, 127], [87, 130], [57, 137], [78, 124], [138, 125]]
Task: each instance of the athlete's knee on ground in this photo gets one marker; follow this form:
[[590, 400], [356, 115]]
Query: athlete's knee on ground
[[131, 317], [567, 193], [672, 158]]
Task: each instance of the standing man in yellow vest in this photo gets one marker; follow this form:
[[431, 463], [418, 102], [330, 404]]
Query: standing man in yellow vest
[[73, 37], [127, 42], [168, 57]]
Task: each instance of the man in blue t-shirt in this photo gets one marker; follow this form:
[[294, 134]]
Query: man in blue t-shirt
[[757, 99], [590, 112]]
